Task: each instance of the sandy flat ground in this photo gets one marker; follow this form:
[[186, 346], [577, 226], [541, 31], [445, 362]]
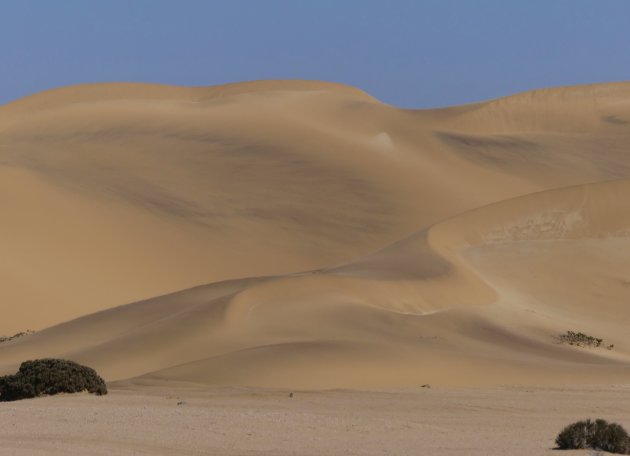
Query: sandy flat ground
[[221, 421]]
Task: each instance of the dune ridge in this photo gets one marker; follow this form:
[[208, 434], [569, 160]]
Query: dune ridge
[[344, 242]]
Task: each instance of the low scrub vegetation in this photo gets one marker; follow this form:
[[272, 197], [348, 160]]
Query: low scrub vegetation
[[15, 336], [50, 376], [580, 339], [594, 435]]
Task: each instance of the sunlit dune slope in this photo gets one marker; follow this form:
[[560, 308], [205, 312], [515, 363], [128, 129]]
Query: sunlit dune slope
[[346, 243], [476, 299], [112, 193]]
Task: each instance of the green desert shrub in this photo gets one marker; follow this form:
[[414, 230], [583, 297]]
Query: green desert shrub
[[50, 376], [595, 435]]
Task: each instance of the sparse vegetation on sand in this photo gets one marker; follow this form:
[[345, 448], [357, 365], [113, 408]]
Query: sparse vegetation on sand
[[50, 376], [594, 435], [15, 336], [580, 339]]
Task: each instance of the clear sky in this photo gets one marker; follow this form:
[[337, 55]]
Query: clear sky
[[420, 53]]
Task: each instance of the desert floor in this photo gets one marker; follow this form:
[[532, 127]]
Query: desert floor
[[189, 420]]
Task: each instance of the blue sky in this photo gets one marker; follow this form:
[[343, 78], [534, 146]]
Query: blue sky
[[421, 53]]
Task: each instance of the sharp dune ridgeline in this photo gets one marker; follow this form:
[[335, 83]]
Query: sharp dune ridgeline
[[303, 234]]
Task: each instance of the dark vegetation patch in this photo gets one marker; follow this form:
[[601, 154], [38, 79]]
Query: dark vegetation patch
[[579, 339], [594, 435], [45, 377], [15, 336]]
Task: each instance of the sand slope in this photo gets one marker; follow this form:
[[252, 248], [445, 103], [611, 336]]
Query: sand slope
[[444, 246]]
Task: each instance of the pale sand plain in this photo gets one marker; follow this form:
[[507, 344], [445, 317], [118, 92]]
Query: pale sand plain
[[302, 235], [520, 421], [488, 421]]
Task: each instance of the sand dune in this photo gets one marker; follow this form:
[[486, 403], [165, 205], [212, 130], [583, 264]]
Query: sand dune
[[335, 241]]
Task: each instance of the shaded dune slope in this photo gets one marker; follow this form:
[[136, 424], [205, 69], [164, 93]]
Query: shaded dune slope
[[326, 174]]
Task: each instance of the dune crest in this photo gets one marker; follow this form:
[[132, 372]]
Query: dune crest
[[344, 242]]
